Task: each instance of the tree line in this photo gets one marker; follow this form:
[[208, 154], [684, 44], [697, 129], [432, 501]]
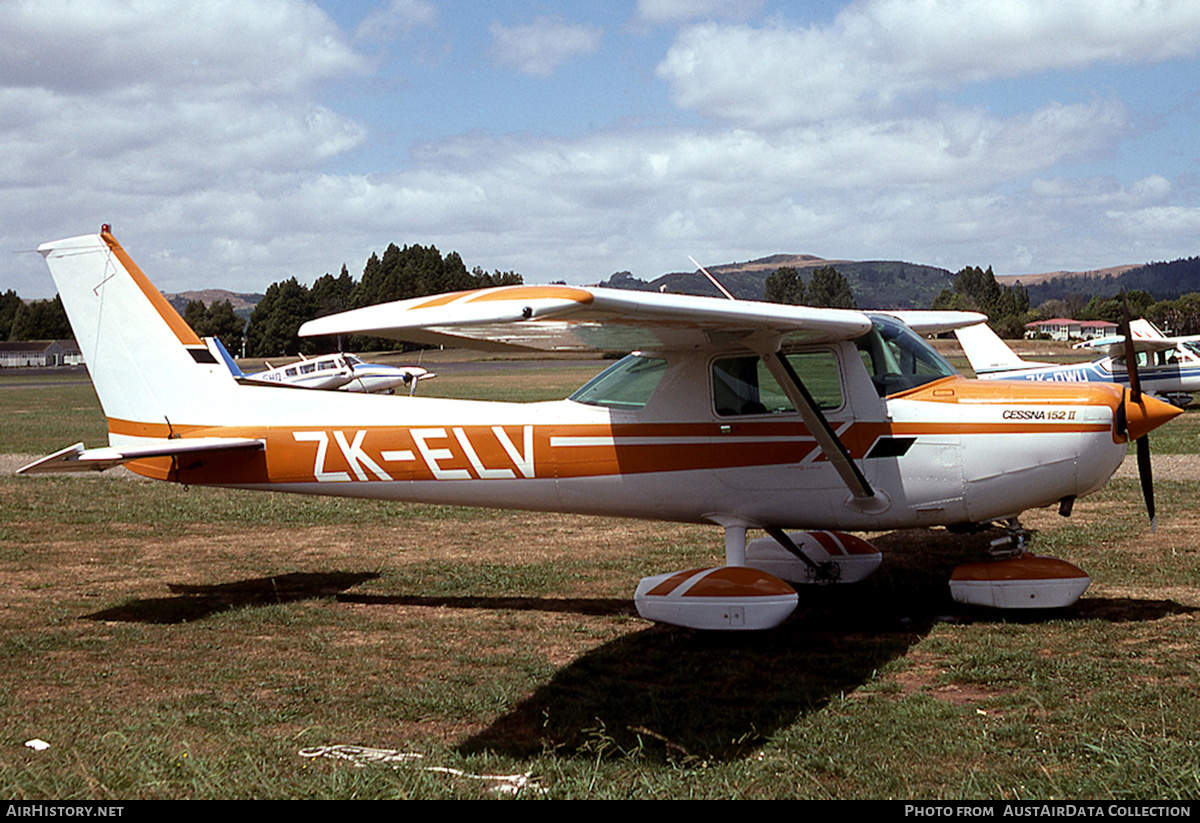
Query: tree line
[[35, 320], [416, 271], [399, 274], [975, 289], [825, 289], [271, 330], [1008, 311]]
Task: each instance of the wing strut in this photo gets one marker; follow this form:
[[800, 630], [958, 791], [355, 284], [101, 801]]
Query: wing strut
[[819, 426], [811, 414]]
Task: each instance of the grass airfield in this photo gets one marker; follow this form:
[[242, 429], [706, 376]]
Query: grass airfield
[[197, 643]]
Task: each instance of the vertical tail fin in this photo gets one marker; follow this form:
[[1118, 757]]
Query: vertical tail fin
[[987, 353], [150, 369]]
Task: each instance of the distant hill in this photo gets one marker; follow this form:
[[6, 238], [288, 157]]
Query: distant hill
[[876, 284], [1165, 281], [243, 303], [1028, 280]]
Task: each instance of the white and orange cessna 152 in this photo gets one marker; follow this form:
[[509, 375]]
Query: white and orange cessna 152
[[740, 414]]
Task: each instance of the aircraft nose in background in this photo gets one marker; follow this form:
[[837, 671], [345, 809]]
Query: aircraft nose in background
[[1148, 414]]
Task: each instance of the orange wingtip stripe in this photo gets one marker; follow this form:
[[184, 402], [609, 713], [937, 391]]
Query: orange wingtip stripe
[[165, 310], [739, 581], [440, 300], [1029, 567], [535, 293], [506, 293], [673, 582]]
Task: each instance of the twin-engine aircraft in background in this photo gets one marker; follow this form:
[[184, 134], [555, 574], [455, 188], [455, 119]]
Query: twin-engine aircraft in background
[[739, 414], [347, 372], [1169, 367]]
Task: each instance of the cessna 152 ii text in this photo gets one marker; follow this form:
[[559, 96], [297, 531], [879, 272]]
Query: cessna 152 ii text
[[739, 414], [1168, 367]]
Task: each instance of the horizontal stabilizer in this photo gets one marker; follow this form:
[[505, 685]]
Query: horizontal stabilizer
[[78, 459]]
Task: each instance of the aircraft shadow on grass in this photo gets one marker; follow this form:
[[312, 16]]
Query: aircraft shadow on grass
[[196, 602], [677, 693]]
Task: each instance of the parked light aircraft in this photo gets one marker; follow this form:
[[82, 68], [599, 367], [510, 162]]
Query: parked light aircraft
[[739, 414], [1169, 368], [347, 372]]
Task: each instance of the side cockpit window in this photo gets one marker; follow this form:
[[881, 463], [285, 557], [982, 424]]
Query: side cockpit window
[[745, 386]]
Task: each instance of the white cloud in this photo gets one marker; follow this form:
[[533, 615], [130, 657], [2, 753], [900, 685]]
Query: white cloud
[[1103, 192], [877, 55], [161, 116], [397, 17], [1159, 223], [538, 48], [206, 144], [659, 12], [107, 47]]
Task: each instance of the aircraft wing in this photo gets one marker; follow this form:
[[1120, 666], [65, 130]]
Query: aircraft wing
[[571, 318], [1115, 346], [78, 459], [1146, 337]]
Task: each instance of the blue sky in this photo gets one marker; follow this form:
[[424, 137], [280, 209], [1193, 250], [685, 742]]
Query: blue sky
[[232, 144]]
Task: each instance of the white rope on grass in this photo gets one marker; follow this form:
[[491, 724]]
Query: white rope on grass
[[362, 756]]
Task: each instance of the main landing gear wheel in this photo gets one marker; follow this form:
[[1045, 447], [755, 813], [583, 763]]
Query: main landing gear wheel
[[750, 591]]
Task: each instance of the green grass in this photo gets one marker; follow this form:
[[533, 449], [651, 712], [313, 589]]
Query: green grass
[[1180, 436], [176, 643], [27, 403], [866, 693]]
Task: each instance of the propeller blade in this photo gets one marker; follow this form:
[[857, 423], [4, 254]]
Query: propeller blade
[[1144, 475], [1135, 397], [1149, 416]]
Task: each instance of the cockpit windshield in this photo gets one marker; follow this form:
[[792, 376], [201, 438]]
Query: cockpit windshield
[[627, 384], [899, 359]]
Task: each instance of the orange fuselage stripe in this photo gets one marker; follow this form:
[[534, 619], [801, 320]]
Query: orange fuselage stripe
[[307, 453]]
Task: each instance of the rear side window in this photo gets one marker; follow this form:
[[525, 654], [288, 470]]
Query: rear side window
[[744, 386]]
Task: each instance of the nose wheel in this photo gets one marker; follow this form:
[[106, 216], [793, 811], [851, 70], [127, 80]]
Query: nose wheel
[[1015, 578]]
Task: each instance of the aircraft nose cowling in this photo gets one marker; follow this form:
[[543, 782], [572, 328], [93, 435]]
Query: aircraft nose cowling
[[1146, 415]]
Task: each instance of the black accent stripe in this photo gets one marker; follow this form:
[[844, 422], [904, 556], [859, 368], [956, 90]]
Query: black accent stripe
[[891, 447]]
